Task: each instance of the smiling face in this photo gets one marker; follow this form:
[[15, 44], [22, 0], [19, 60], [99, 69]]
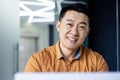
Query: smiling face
[[73, 29]]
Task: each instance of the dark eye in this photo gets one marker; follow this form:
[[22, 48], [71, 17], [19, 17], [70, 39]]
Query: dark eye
[[81, 27], [69, 24]]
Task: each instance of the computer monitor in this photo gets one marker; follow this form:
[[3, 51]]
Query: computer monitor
[[68, 76]]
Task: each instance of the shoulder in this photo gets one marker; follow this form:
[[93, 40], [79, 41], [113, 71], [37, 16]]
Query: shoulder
[[92, 55], [49, 51], [40, 58], [90, 52], [95, 59]]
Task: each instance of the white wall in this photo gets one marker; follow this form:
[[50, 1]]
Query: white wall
[[9, 36], [38, 30]]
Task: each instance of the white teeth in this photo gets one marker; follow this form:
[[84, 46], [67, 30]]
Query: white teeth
[[72, 38]]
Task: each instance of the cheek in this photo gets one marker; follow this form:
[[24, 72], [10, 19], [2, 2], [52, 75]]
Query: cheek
[[64, 30], [83, 35], [63, 33]]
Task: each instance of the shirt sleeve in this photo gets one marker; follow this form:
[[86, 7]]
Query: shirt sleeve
[[33, 65], [101, 64]]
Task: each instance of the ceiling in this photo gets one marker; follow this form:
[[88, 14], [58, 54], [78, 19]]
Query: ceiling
[[42, 11]]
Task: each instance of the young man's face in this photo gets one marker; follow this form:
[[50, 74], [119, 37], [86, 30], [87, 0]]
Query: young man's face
[[73, 28]]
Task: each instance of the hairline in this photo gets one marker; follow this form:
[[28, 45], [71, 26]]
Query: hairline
[[60, 18]]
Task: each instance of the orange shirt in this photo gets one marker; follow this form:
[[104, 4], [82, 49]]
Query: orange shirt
[[51, 60]]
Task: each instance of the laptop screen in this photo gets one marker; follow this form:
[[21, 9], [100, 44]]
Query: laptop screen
[[68, 76]]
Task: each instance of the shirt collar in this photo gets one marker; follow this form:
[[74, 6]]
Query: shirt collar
[[60, 55], [77, 56]]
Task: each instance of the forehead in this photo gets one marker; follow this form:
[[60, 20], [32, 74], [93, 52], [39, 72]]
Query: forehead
[[74, 15]]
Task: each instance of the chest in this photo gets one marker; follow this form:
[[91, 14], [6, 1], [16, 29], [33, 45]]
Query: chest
[[61, 65]]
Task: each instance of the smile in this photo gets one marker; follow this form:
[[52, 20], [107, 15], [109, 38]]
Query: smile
[[72, 39]]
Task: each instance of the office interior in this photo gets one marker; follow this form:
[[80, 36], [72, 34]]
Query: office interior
[[22, 32]]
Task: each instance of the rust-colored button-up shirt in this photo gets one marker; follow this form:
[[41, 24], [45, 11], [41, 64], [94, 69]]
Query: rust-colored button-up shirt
[[51, 60]]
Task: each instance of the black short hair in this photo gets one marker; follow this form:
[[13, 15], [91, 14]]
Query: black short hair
[[79, 7]]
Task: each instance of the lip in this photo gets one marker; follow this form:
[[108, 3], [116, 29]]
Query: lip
[[72, 39]]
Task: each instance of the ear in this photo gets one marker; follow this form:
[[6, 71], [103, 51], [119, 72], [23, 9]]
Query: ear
[[58, 25], [88, 31]]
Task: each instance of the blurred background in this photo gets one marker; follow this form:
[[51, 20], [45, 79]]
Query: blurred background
[[29, 25]]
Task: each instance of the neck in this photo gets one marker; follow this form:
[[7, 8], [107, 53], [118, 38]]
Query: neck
[[68, 53]]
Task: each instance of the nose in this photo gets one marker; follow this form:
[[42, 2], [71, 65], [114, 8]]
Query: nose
[[74, 31]]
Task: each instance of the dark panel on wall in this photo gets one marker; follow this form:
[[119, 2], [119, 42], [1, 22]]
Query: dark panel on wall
[[103, 37], [51, 34]]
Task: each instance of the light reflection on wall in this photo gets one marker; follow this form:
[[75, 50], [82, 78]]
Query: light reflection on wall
[[37, 10]]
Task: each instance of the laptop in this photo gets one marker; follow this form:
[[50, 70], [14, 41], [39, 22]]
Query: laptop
[[68, 76]]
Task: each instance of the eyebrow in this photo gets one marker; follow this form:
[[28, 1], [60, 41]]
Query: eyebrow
[[83, 23], [73, 21], [69, 20]]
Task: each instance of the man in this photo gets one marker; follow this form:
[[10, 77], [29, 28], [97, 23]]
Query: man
[[68, 54]]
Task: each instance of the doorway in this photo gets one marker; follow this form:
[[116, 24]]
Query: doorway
[[28, 45]]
